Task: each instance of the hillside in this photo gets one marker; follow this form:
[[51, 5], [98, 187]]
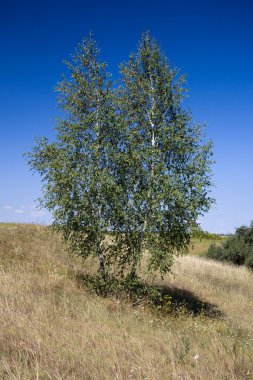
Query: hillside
[[54, 328]]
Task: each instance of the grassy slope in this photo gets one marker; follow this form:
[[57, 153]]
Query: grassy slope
[[200, 246], [53, 329]]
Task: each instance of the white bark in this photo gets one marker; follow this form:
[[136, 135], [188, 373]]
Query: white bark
[[151, 113]]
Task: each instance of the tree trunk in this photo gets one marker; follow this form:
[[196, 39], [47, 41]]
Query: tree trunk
[[101, 260]]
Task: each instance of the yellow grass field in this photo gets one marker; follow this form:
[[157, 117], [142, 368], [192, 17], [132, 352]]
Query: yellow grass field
[[52, 328]]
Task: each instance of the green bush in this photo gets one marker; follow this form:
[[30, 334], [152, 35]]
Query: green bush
[[237, 249]]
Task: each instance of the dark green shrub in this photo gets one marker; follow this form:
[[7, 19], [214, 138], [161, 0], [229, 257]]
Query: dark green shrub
[[237, 249]]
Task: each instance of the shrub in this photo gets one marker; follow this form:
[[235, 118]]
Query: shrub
[[237, 249]]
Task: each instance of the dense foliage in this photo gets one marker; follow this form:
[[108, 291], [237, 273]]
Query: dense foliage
[[237, 249], [128, 172]]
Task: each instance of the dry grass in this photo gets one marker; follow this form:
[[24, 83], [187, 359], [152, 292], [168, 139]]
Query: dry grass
[[53, 329]]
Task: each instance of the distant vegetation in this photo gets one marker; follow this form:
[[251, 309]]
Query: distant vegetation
[[237, 249], [200, 234]]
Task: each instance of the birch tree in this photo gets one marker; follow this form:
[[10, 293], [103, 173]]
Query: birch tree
[[128, 172], [165, 163], [76, 167]]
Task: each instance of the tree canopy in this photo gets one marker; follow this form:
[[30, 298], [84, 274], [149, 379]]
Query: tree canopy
[[128, 172]]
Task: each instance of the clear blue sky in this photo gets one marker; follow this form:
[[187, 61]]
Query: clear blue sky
[[210, 41]]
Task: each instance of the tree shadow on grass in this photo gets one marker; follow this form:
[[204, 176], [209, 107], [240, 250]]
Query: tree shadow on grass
[[164, 299], [182, 300]]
